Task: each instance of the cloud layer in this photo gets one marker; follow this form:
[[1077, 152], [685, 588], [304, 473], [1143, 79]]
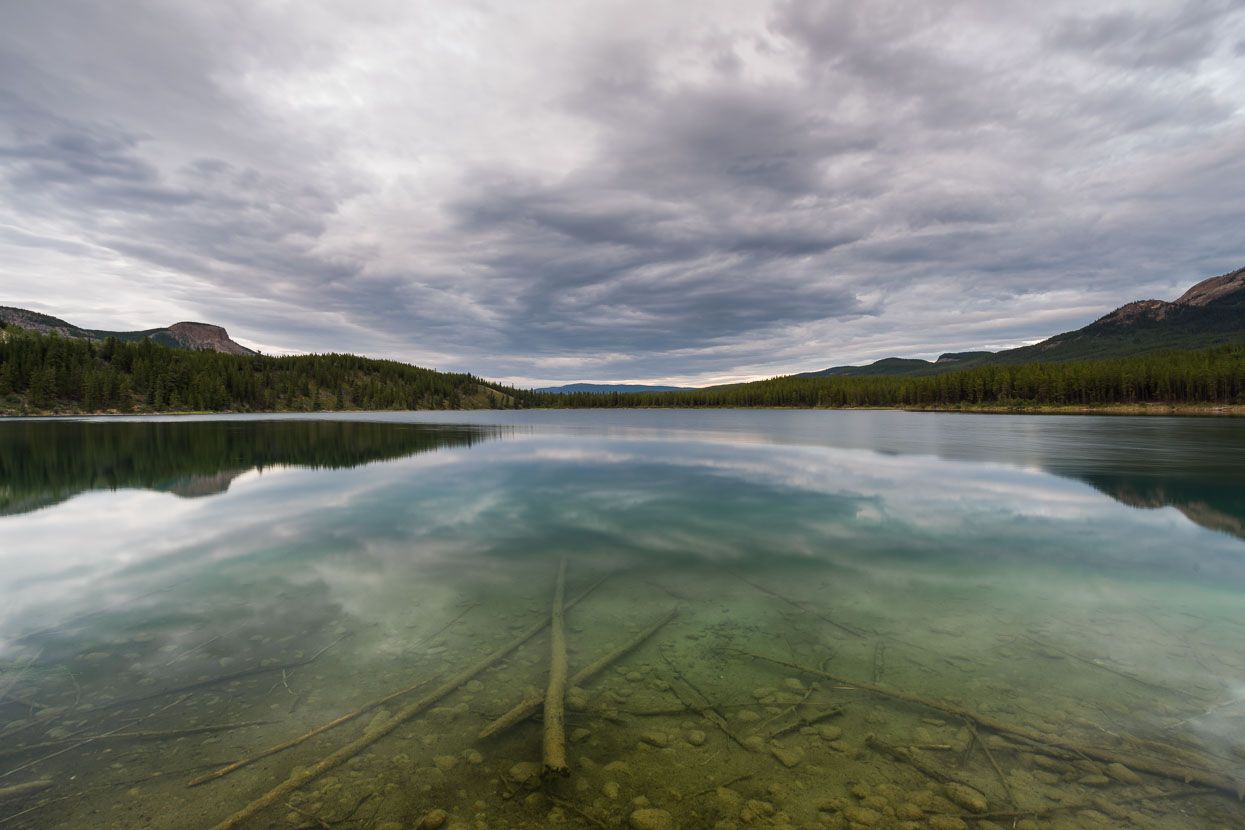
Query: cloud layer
[[564, 191]]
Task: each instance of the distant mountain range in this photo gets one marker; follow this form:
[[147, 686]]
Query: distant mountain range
[[608, 387], [1208, 314], [178, 336]]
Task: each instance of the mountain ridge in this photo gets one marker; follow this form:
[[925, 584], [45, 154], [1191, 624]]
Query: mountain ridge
[[182, 335], [1208, 314]]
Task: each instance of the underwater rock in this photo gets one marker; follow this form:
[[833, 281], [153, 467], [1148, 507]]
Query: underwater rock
[[445, 763], [651, 819], [967, 797], [931, 803], [747, 716], [527, 773], [1123, 774], [433, 820], [1094, 780], [696, 737], [908, 811], [862, 815], [760, 808], [1045, 777], [579, 734], [947, 823], [611, 790], [829, 733], [794, 684], [788, 756], [1050, 764], [655, 738], [877, 802], [755, 743]]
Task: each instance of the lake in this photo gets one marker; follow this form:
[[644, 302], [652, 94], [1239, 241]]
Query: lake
[[798, 619]]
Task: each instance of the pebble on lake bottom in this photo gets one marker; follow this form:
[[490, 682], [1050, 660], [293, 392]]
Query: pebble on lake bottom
[[651, 819]]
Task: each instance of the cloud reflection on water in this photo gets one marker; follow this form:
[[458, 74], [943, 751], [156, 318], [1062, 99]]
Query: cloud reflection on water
[[667, 503]]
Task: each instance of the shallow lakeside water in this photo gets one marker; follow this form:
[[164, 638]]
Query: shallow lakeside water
[[1077, 578]]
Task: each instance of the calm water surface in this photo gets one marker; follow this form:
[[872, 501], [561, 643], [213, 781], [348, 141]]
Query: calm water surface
[[881, 619]]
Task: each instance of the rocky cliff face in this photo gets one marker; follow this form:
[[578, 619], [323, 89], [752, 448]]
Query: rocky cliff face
[[1225, 289], [42, 323], [204, 336], [179, 335], [1214, 289]]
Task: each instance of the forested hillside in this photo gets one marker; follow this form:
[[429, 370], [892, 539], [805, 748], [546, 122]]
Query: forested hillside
[[47, 373], [1211, 313], [1208, 376]]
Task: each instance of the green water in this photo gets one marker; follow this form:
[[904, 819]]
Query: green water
[[177, 595]]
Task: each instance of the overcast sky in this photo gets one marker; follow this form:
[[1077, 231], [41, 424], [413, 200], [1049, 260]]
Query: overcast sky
[[693, 192]]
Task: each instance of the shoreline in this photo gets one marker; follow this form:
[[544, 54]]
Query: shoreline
[[1146, 409]]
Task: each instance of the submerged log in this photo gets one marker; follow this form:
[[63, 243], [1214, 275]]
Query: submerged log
[[19, 790], [799, 605], [529, 705], [1176, 772], [137, 736], [281, 747], [308, 774], [706, 710], [555, 695]]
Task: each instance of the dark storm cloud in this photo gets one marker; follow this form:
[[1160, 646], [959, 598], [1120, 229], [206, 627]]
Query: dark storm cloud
[[664, 191], [696, 222]]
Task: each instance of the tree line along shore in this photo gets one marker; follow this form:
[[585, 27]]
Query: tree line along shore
[[47, 374]]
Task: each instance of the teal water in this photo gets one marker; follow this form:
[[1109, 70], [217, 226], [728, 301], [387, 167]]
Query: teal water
[[178, 594]]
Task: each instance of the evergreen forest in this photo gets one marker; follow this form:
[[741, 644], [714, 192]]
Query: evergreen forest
[[42, 374], [1214, 376], [51, 374]]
